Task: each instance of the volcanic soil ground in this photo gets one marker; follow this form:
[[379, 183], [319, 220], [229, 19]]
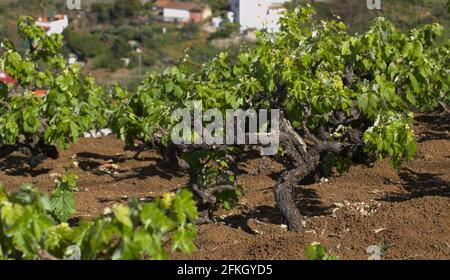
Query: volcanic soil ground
[[406, 211]]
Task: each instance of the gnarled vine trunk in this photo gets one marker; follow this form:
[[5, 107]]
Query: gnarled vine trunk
[[302, 162]]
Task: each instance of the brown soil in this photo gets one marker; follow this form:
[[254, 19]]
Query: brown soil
[[408, 210]]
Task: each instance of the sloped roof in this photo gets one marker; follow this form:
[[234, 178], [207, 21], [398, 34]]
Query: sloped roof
[[40, 92], [6, 79], [190, 6]]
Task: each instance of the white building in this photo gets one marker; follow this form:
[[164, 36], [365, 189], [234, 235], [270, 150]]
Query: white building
[[57, 26], [181, 15], [230, 16], [183, 11], [217, 21], [258, 14]]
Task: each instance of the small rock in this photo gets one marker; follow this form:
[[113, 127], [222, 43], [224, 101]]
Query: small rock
[[324, 180], [257, 232], [55, 175], [375, 251], [105, 132], [379, 230], [258, 222]]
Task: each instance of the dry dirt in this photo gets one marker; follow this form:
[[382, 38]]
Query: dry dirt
[[407, 210]]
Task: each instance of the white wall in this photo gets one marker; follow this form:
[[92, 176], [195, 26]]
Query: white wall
[[180, 15], [56, 26], [256, 13], [273, 18]]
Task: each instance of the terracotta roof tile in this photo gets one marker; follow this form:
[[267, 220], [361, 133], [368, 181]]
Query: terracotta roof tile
[[180, 5], [5, 78]]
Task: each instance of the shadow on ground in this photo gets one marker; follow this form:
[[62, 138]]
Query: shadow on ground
[[417, 185]]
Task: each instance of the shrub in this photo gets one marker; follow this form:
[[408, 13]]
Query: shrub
[[85, 44], [108, 60]]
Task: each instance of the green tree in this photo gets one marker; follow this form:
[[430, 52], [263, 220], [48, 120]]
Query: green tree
[[344, 99], [85, 44], [125, 8], [73, 103], [120, 48], [102, 11]]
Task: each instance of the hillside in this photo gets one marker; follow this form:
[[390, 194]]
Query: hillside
[[99, 35], [405, 14]]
